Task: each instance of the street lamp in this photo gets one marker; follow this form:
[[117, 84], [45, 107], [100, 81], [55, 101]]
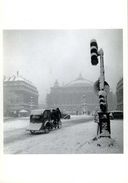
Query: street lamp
[[104, 121], [84, 104]]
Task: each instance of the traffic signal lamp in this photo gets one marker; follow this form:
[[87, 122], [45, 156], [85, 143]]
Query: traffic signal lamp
[[94, 52], [102, 101]]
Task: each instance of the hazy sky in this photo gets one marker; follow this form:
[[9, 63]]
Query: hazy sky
[[42, 56]]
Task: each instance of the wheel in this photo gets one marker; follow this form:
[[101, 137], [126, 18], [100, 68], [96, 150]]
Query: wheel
[[60, 124], [46, 130]]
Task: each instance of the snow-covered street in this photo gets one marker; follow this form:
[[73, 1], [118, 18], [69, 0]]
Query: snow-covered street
[[75, 137]]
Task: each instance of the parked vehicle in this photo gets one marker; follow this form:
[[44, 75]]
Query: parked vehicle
[[116, 114], [41, 122], [65, 116]]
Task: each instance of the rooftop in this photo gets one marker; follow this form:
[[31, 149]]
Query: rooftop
[[79, 82], [17, 77]]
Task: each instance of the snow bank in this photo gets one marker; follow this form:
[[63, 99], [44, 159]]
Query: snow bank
[[16, 124]]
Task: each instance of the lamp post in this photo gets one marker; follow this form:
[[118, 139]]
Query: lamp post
[[84, 104]]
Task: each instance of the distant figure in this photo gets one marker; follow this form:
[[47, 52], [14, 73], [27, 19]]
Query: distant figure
[[53, 115], [58, 114]]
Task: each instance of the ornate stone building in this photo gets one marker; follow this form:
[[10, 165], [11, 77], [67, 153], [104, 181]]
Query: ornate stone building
[[111, 100], [119, 94], [75, 97], [20, 96]]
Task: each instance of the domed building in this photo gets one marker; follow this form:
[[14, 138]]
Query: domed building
[[20, 96], [76, 97]]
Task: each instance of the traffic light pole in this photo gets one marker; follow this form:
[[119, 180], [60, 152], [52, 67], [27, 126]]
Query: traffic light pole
[[103, 115], [102, 76], [104, 121]]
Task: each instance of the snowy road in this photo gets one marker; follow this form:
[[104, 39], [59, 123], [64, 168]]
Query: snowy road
[[70, 138], [16, 130]]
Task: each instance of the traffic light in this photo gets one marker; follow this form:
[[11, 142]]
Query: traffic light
[[102, 101], [94, 52], [97, 87]]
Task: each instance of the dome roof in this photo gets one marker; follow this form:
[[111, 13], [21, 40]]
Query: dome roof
[[79, 82]]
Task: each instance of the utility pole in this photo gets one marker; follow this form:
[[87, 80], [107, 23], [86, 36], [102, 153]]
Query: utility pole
[[104, 120]]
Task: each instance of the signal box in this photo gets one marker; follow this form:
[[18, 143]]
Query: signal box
[[104, 124]]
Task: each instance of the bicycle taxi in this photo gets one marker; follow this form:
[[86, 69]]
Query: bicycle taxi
[[41, 121]]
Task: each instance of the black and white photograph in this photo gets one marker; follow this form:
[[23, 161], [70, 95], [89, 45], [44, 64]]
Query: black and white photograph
[[63, 91]]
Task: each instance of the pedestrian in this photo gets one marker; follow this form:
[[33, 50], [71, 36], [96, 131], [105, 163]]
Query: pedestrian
[[53, 115], [58, 114]]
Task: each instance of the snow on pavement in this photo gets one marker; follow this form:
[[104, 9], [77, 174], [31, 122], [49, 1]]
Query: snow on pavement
[[75, 139], [16, 123], [78, 139]]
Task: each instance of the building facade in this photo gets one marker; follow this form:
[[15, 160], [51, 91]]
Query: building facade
[[76, 97], [119, 94], [111, 101], [20, 96]]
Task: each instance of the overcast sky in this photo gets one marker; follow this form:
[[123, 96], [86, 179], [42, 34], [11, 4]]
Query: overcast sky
[[47, 55]]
